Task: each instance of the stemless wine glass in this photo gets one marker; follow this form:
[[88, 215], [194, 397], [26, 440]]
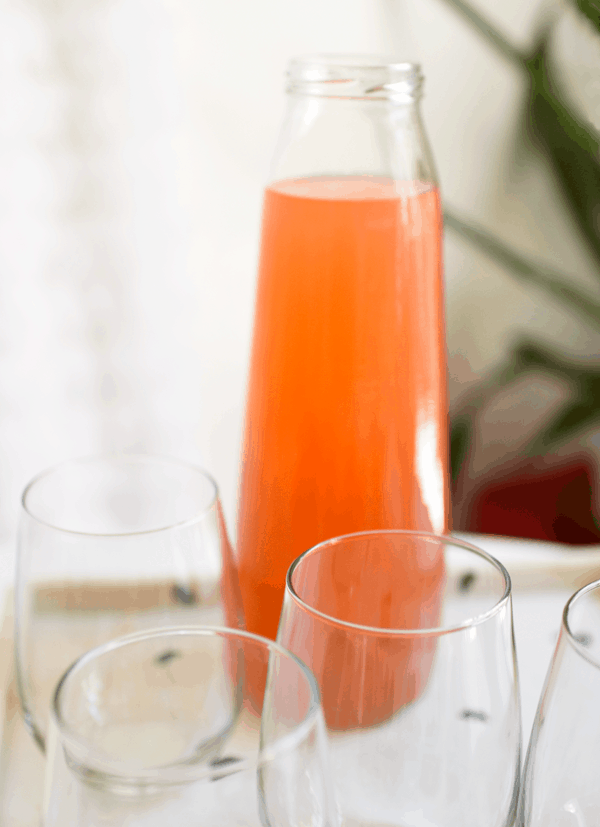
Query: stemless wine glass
[[108, 546], [154, 729], [561, 783], [420, 696]]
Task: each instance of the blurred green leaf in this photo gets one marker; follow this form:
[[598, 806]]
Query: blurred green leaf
[[460, 440], [531, 355], [551, 281], [572, 148], [580, 411], [590, 10]]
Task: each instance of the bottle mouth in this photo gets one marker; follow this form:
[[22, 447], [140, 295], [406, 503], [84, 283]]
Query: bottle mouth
[[370, 77]]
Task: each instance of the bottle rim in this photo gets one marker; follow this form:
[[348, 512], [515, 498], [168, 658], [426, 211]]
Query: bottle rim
[[362, 76]]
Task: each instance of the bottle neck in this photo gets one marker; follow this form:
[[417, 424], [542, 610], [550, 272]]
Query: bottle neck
[[353, 119]]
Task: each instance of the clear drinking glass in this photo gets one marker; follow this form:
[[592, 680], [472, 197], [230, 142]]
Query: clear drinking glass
[[561, 783], [423, 720], [108, 546], [153, 729]]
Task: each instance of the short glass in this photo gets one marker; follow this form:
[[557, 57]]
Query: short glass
[[154, 729], [420, 696], [561, 783], [108, 546]]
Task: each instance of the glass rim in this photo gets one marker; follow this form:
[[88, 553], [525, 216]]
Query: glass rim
[[381, 631], [355, 75], [184, 772], [571, 636], [125, 458]]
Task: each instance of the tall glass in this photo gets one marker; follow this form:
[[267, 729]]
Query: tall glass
[[108, 546], [423, 718], [153, 730], [346, 419], [561, 784]]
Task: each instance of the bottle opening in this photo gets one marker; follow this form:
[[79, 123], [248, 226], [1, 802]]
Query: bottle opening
[[369, 77]]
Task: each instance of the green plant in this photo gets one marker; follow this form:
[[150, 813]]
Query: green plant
[[571, 148]]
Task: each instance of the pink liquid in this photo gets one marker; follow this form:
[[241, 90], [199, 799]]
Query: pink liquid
[[346, 422]]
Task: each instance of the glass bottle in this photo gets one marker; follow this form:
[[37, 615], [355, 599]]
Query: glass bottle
[[346, 422]]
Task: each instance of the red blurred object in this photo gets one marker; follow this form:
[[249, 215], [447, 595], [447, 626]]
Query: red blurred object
[[540, 502]]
